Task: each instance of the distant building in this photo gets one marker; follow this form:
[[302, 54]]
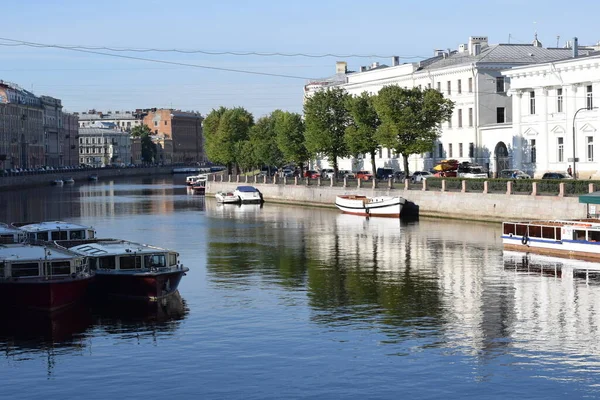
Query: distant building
[[52, 126], [103, 144], [124, 120], [70, 133], [183, 129]]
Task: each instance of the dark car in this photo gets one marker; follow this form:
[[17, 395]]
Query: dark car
[[384, 173], [556, 175]]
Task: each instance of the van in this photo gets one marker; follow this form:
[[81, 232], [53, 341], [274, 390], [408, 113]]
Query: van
[[384, 173]]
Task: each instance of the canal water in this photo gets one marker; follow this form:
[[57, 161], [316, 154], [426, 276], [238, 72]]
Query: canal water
[[287, 302]]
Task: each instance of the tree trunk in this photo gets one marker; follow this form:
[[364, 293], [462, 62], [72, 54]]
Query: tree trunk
[[229, 168], [373, 169], [405, 161], [335, 166]]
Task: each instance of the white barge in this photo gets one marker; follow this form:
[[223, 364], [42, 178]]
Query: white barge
[[383, 206]]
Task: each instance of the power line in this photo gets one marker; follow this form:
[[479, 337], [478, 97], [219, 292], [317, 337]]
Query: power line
[[213, 53]]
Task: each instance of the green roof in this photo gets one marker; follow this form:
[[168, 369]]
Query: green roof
[[591, 198]]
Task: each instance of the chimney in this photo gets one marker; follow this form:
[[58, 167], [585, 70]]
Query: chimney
[[341, 67], [481, 40], [438, 52], [363, 68], [374, 65], [463, 47], [575, 47], [395, 61], [476, 49]]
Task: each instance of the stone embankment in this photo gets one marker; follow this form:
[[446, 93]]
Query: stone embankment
[[45, 179], [439, 202]]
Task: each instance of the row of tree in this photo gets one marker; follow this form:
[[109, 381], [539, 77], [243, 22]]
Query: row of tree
[[335, 125]]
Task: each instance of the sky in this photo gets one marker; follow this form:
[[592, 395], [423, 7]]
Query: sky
[[409, 29]]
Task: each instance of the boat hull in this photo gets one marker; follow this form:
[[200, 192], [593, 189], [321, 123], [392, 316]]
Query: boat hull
[[563, 248], [389, 207], [199, 190], [138, 285], [44, 295], [227, 198]]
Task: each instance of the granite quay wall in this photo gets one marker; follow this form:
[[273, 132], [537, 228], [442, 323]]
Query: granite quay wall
[[434, 202], [45, 179]]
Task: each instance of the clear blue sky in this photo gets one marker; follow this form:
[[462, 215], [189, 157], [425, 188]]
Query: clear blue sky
[[404, 28]]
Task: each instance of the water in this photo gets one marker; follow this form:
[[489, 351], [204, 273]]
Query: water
[[295, 302]]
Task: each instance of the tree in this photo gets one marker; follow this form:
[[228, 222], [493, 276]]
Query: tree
[[289, 133], [361, 135], [326, 119], [264, 144], [148, 147], [410, 119]]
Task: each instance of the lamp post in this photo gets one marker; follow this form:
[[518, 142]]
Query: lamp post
[[575, 116]]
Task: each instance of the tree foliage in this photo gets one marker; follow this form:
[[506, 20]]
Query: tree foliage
[[264, 144], [361, 134], [148, 147], [410, 119], [326, 119], [224, 130], [289, 134]]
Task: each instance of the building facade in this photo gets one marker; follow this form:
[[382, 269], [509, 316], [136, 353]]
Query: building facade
[[124, 120], [103, 144], [70, 133], [182, 129], [52, 126]]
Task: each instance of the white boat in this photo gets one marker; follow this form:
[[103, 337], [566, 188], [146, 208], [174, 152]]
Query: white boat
[[577, 238], [383, 206], [227, 198], [58, 182], [68, 181], [55, 230], [190, 180], [199, 184], [9, 234], [248, 194]]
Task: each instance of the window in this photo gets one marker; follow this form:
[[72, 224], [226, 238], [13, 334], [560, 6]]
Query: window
[[107, 262], [590, 148], [559, 100], [130, 262], [450, 122], [75, 235], [440, 150], [439, 86], [500, 115], [61, 268], [470, 117], [25, 269], [449, 87], [155, 261], [155, 123], [470, 85], [500, 84], [429, 86], [388, 153], [59, 235], [589, 98], [459, 86], [460, 150], [560, 144], [450, 150], [531, 103], [460, 118], [165, 122], [533, 151]]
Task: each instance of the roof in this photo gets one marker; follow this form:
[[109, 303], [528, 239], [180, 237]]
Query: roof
[[591, 198], [52, 226], [9, 230], [101, 131], [28, 252], [115, 247]]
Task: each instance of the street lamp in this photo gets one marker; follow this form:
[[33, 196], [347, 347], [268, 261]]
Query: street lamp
[[575, 116]]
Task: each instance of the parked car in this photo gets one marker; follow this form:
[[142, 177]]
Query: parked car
[[384, 173], [473, 172], [399, 175], [288, 172], [344, 173], [327, 173], [556, 175], [513, 174], [364, 175], [312, 174], [419, 176]]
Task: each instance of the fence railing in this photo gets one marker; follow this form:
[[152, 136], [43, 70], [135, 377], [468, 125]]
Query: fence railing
[[535, 187]]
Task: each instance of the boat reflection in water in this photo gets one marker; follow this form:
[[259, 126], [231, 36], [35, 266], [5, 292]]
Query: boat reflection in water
[[534, 264]]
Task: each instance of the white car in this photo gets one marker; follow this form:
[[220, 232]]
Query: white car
[[419, 176]]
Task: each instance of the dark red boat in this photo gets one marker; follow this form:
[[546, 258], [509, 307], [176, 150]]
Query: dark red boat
[[128, 269], [41, 277]]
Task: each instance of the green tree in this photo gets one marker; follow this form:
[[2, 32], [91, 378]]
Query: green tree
[[410, 119], [148, 147], [264, 143], [361, 134], [246, 159], [289, 133], [326, 119]]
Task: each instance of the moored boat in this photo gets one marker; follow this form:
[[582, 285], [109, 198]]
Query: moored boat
[[68, 181], [192, 179], [55, 230], [383, 206], [92, 178], [130, 270], [58, 182], [10, 234], [248, 194], [199, 184], [227, 198], [41, 277], [575, 238]]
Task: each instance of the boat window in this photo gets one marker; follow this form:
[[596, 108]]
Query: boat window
[[41, 236], [172, 259], [74, 235], [579, 235], [130, 262], [1, 270], [535, 231], [61, 268], [593, 236], [155, 261], [558, 234], [93, 263], [25, 269], [107, 263], [521, 230], [90, 234], [59, 235], [548, 232]]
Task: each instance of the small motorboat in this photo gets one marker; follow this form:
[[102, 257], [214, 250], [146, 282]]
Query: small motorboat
[[68, 181], [248, 194], [199, 184], [58, 182], [227, 198], [383, 206], [92, 178]]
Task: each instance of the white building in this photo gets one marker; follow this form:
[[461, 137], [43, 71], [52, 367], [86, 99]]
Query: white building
[[104, 144], [471, 76], [545, 100], [124, 120]]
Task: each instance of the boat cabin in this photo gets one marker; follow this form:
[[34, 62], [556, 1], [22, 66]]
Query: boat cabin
[[55, 230], [122, 255], [581, 230], [9, 234], [25, 261], [191, 180]]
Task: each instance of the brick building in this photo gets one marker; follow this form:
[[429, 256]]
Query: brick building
[[70, 133]]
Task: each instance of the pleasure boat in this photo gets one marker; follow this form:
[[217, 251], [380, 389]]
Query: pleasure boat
[[574, 238], [199, 185], [130, 270], [55, 230], [192, 179], [41, 277], [68, 181], [383, 206], [248, 194], [227, 198], [58, 182], [9, 234]]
